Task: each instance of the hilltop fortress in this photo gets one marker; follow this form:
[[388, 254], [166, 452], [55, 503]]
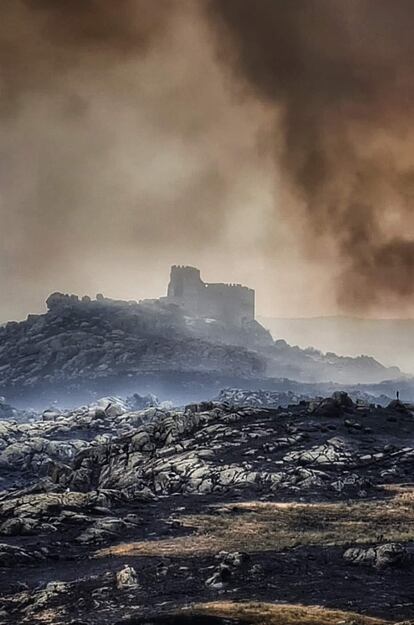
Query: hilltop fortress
[[197, 334], [230, 303]]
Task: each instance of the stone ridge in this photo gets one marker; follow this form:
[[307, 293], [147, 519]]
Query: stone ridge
[[87, 340]]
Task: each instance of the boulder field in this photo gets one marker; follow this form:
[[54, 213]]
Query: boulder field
[[110, 513]]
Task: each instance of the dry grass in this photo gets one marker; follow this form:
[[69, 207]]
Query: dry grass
[[270, 614], [49, 617], [257, 526]]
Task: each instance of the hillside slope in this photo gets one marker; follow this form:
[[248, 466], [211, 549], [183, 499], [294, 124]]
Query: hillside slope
[[77, 342], [391, 341]]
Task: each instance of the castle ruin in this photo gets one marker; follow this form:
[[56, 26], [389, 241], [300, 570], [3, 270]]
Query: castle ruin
[[230, 303]]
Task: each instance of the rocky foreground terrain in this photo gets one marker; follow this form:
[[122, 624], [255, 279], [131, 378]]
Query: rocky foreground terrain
[[219, 513]]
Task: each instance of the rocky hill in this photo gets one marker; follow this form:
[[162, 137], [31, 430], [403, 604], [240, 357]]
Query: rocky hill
[[212, 515], [311, 365], [391, 341], [80, 342]]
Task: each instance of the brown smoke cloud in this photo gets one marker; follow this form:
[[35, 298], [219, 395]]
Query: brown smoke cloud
[[42, 39], [121, 149], [266, 142], [341, 77]]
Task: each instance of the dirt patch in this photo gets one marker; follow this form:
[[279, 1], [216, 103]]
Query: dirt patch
[[268, 614], [185, 619], [258, 526]]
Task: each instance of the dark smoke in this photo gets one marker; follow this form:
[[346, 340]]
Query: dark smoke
[[40, 40], [119, 147], [340, 74], [135, 134]]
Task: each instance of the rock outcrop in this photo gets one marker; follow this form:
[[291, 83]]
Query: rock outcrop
[[109, 514], [78, 341], [379, 556]]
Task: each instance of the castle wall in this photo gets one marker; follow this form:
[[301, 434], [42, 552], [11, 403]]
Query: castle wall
[[230, 303]]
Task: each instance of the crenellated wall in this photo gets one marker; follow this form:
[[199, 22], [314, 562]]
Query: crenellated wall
[[230, 303]]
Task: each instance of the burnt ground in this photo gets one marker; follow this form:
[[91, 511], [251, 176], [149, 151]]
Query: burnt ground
[[341, 476]]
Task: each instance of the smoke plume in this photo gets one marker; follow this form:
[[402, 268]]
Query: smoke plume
[[341, 77], [121, 149], [271, 138]]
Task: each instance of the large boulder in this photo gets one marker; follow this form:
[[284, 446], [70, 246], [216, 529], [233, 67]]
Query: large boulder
[[334, 406], [126, 578], [380, 557]]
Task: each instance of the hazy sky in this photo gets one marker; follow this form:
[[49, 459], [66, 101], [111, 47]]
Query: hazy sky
[[268, 143]]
